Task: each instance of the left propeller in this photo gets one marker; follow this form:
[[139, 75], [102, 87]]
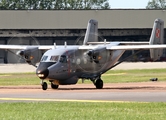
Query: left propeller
[[13, 56]]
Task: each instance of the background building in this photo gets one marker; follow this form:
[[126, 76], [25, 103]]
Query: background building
[[46, 27]]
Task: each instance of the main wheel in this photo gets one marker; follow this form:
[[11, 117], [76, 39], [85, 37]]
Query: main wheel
[[44, 86], [53, 86], [99, 84]]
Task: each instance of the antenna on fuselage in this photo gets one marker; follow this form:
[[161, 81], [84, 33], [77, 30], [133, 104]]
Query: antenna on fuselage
[[54, 45], [65, 44]]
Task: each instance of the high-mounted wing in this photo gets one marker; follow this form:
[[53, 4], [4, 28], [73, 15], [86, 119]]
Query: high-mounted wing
[[31, 54], [135, 47], [21, 47]]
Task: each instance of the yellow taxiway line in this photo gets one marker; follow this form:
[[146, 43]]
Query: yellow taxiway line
[[60, 100], [63, 100]]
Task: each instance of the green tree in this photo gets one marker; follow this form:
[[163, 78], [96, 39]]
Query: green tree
[[81, 4], [53, 4], [156, 4]]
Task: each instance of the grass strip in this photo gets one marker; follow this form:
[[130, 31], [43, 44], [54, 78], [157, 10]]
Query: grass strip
[[112, 76], [82, 111]]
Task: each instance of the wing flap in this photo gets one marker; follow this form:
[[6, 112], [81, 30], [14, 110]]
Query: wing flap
[[134, 43], [87, 47], [120, 43]]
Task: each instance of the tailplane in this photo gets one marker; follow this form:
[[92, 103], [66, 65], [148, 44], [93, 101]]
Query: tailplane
[[91, 32], [157, 37]]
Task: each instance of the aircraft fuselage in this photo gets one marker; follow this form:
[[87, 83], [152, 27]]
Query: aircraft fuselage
[[66, 65]]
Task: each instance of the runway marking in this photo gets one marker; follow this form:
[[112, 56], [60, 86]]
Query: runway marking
[[61, 100], [66, 100]]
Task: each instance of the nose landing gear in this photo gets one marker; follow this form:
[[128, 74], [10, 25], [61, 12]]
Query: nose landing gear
[[44, 85]]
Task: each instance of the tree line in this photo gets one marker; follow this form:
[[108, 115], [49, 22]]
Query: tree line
[[53, 4], [156, 4], [68, 4]]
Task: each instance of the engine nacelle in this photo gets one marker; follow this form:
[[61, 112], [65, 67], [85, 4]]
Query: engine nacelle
[[31, 55], [95, 54]]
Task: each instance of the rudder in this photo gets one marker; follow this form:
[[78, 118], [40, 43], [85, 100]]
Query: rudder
[[91, 32], [157, 37]]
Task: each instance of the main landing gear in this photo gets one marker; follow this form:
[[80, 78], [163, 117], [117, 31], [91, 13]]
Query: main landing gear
[[98, 83], [45, 86], [53, 86]]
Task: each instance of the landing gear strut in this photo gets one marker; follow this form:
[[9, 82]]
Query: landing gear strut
[[44, 85]]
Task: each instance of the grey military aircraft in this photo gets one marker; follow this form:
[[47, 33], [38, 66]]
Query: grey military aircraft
[[65, 65]]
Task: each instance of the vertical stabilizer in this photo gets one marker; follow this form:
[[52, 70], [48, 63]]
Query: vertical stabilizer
[[91, 32], [157, 37]]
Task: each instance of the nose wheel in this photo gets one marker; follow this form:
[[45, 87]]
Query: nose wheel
[[44, 86]]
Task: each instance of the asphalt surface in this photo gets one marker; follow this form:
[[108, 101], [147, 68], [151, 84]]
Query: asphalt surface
[[116, 92], [125, 92]]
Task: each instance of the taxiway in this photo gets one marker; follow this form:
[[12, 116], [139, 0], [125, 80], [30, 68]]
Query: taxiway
[[116, 92]]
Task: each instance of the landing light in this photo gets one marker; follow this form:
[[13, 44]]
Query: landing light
[[40, 75]]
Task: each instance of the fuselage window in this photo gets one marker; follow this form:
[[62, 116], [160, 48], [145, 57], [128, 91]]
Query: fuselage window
[[63, 59], [44, 58], [54, 58]]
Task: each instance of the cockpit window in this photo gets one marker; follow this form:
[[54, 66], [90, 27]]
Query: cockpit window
[[63, 59], [54, 58], [44, 58]]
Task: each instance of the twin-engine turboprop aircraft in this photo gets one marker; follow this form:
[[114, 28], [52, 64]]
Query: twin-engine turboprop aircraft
[[65, 65]]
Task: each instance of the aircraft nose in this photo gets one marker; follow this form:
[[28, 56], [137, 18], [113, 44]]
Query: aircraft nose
[[42, 74]]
